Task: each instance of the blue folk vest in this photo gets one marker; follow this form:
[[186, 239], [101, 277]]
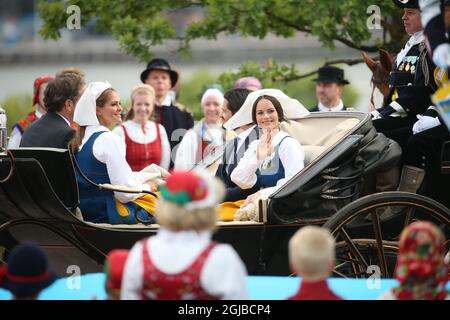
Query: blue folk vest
[[271, 171], [97, 205]]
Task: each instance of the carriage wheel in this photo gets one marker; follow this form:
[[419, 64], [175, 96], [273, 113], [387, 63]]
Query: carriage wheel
[[367, 230]]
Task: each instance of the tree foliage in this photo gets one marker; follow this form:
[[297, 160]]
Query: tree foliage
[[138, 25]]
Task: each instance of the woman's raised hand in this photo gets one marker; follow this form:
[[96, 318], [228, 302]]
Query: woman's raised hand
[[264, 148]]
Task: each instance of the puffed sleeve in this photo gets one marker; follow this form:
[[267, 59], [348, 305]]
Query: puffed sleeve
[[110, 150], [224, 274], [133, 274], [186, 151], [165, 148], [14, 139], [119, 131], [244, 175]]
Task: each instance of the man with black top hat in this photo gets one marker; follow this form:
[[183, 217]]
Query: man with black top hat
[[412, 80], [329, 89], [162, 78]]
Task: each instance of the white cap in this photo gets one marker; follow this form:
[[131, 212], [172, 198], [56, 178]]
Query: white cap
[[85, 110], [292, 108], [212, 92]]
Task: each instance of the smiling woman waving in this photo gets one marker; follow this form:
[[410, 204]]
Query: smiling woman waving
[[274, 158]]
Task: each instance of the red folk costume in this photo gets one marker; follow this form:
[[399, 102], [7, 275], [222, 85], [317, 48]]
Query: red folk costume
[[140, 155], [421, 269], [184, 285], [317, 290], [24, 122]]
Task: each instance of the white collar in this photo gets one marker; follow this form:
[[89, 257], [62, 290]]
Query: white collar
[[67, 121], [244, 134], [413, 40], [137, 125], [90, 130], [339, 107], [38, 113], [167, 101]]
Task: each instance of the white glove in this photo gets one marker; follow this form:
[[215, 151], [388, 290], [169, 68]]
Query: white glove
[[425, 123], [441, 56], [375, 115]]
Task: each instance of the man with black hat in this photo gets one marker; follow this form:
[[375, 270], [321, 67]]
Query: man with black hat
[[329, 89], [162, 78]]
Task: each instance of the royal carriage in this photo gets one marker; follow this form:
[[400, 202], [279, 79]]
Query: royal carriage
[[39, 202]]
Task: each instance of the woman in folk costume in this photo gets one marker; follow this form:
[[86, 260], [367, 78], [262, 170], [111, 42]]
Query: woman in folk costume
[[39, 86], [421, 270], [275, 157], [206, 135], [181, 261], [101, 156], [146, 140]]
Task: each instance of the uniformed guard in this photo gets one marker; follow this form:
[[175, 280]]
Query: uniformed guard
[[411, 80], [422, 157]]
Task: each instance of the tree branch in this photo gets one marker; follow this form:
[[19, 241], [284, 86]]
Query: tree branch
[[349, 62], [345, 41]]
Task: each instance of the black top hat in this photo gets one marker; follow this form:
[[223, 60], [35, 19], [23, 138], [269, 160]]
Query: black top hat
[[27, 272], [160, 64], [413, 4], [331, 74]]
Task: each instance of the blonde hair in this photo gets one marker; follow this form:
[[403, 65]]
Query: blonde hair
[[143, 90], [177, 218], [311, 252]]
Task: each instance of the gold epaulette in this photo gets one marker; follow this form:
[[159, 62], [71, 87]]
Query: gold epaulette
[[182, 107]]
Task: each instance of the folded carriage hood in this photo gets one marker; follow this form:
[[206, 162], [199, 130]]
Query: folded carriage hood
[[361, 152]]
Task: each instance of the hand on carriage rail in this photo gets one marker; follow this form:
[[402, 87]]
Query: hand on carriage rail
[[125, 189]]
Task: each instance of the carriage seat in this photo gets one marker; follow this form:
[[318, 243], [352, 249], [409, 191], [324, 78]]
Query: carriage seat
[[318, 134]]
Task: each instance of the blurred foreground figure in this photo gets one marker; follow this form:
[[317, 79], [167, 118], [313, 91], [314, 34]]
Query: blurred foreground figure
[[181, 262]]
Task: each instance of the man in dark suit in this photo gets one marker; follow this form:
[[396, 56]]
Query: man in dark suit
[[235, 148], [53, 129], [329, 89]]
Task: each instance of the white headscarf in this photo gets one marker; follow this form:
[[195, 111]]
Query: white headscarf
[[212, 92], [292, 108], [85, 110]]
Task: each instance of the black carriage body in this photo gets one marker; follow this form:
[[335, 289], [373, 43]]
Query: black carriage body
[[334, 178], [39, 199]]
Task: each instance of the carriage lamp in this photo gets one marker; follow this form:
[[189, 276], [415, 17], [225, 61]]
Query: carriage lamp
[[3, 133]]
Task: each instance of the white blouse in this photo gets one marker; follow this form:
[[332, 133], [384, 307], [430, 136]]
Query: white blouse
[[186, 151], [291, 156], [137, 135], [223, 274], [109, 149], [16, 135]]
